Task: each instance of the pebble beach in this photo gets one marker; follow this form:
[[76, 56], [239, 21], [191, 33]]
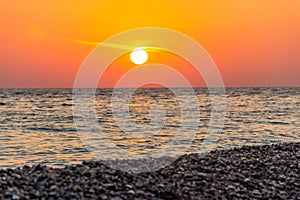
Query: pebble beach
[[249, 172]]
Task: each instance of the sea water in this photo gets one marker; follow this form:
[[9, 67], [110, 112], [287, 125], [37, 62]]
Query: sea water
[[37, 125]]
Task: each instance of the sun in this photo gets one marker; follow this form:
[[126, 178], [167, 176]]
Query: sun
[[139, 56]]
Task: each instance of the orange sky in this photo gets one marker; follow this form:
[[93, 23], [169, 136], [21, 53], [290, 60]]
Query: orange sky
[[253, 43]]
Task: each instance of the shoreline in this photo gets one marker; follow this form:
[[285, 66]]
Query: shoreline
[[265, 171]]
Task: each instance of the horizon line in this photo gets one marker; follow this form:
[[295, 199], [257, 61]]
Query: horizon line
[[148, 87]]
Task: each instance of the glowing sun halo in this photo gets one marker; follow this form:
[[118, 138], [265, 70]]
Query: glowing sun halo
[[139, 56]]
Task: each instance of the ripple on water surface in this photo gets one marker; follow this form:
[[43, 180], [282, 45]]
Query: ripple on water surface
[[36, 125]]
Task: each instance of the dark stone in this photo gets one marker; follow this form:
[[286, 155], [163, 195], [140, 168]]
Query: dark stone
[[250, 172]]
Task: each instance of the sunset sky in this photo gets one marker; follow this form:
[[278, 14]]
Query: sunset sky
[[253, 43]]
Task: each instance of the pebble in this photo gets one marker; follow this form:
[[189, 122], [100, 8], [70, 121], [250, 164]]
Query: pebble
[[249, 172], [15, 197]]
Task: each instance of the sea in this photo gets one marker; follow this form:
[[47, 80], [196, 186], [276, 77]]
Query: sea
[[37, 125]]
